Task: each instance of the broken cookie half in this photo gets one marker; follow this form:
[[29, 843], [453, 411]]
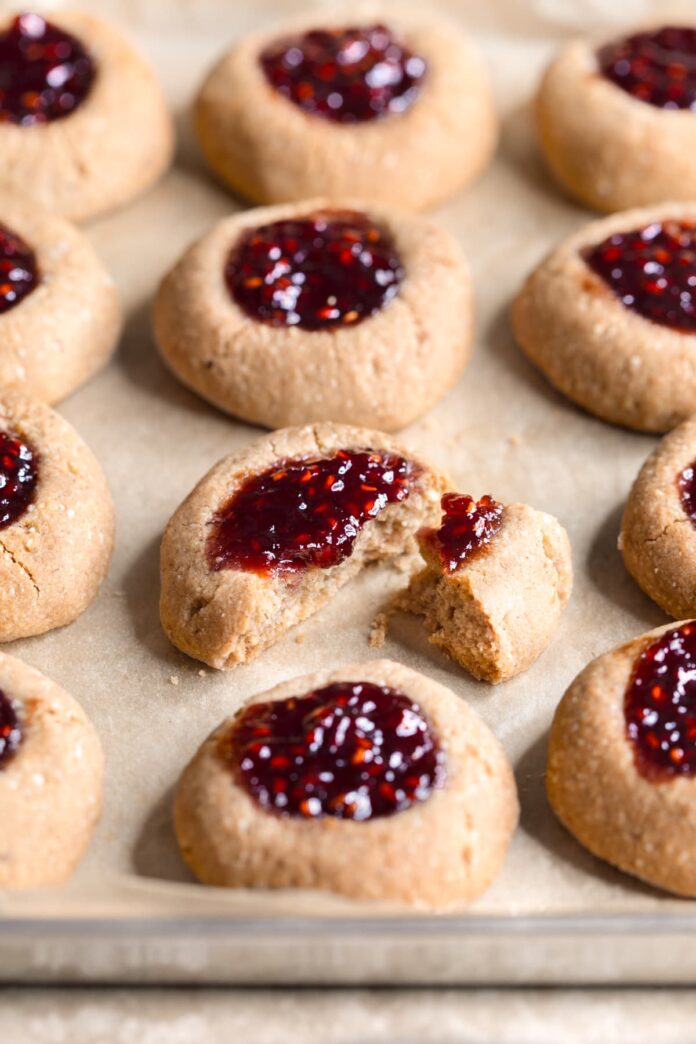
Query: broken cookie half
[[495, 582], [269, 535]]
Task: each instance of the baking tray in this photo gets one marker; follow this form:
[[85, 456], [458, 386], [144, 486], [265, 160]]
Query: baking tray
[[132, 912]]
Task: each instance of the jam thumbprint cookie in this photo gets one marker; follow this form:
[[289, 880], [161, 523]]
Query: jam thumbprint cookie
[[269, 535], [372, 781], [495, 582], [319, 312], [617, 122], [658, 532], [396, 111], [51, 766], [622, 758], [610, 317], [83, 123], [60, 316], [56, 520]]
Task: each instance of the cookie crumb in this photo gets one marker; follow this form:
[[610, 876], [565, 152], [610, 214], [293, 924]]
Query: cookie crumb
[[300, 638], [202, 674], [378, 631], [173, 679], [515, 440]]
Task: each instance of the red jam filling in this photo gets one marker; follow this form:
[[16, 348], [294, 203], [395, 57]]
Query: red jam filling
[[18, 475], [652, 270], [19, 273], [660, 706], [45, 73], [332, 269], [686, 486], [657, 67], [304, 513], [353, 750], [345, 75], [10, 730], [467, 527]]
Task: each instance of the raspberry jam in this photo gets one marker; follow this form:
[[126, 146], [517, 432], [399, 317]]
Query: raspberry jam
[[19, 273], [304, 513], [45, 73], [352, 750], [18, 475], [10, 730], [686, 487], [333, 269], [660, 706], [657, 67], [345, 75], [652, 270], [467, 527]]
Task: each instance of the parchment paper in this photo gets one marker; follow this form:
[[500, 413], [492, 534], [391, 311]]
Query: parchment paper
[[503, 430]]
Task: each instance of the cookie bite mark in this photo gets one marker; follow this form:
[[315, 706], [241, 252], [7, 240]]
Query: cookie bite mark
[[651, 270], [19, 471], [45, 72], [306, 513], [351, 750], [10, 729], [268, 536], [495, 583], [369, 780], [19, 271], [660, 706], [333, 268], [347, 75], [657, 67]]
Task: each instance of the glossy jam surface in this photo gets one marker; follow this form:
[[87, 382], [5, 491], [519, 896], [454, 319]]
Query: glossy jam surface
[[467, 527], [353, 750], [45, 73], [660, 706], [330, 270], [652, 270], [19, 273], [345, 75], [307, 512], [657, 67], [18, 476], [686, 487], [10, 729]]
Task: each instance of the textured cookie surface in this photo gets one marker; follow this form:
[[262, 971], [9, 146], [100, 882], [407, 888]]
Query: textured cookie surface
[[382, 372], [271, 150], [51, 767], [443, 849], [225, 612], [594, 346], [641, 819]]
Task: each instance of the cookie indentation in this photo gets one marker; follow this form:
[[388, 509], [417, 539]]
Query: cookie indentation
[[345, 75], [660, 706], [652, 270], [306, 513], [10, 729], [332, 269], [657, 67], [686, 485], [352, 750], [18, 476], [45, 73], [467, 527], [19, 272]]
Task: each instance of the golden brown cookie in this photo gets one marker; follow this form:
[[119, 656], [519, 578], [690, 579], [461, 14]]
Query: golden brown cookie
[[610, 317], [658, 531], [270, 534], [60, 316], [83, 122], [56, 520], [616, 119], [372, 102], [622, 758], [382, 785], [51, 767], [319, 312], [495, 583]]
